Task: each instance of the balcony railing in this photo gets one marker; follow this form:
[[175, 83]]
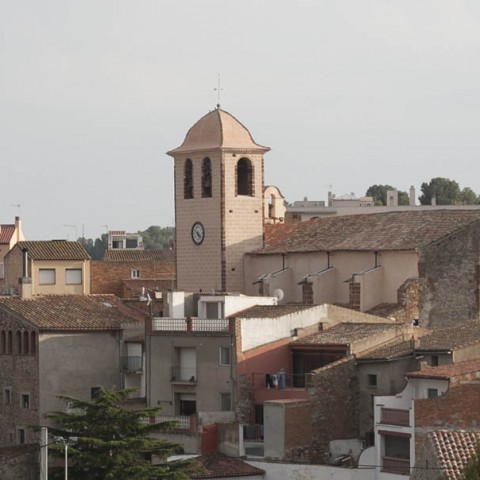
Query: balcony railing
[[167, 324], [395, 416], [184, 374], [252, 433], [400, 466], [132, 364], [180, 422], [279, 380]]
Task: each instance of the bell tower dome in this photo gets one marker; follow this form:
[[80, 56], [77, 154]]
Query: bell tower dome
[[219, 203]]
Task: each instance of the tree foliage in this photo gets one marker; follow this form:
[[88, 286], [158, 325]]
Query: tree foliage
[[379, 195], [95, 248], [472, 469], [158, 237], [445, 191], [114, 442]]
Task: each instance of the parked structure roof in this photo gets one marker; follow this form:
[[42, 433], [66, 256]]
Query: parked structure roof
[[54, 250], [391, 231], [71, 312], [447, 371]]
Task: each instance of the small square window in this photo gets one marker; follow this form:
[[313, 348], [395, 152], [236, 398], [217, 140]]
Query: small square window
[[225, 356], [372, 380], [21, 436], [434, 361], [73, 276], [135, 273], [46, 276], [25, 400], [432, 393], [225, 402], [10, 437]]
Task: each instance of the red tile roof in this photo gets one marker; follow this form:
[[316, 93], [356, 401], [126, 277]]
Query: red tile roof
[[453, 449], [221, 466], [121, 255], [271, 311], [344, 334], [71, 312], [6, 233], [54, 250], [447, 371], [405, 230]]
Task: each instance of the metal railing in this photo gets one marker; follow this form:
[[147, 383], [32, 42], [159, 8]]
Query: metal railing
[[180, 422], [184, 374], [279, 380], [252, 433], [132, 364]]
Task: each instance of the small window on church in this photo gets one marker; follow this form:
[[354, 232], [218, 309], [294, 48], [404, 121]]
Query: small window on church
[[206, 178], [188, 179], [245, 177]]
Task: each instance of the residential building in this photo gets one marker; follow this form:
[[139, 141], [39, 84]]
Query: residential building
[[121, 240], [10, 234], [62, 345], [47, 267]]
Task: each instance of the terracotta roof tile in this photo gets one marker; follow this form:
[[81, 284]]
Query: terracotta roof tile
[[124, 255], [453, 449], [71, 312], [54, 250], [271, 311], [389, 352], [448, 371], [445, 339], [405, 230], [344, 334], [6, 233], [221, 466]]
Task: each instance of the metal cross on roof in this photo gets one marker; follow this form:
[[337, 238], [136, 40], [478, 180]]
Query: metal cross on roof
[[218, 90]]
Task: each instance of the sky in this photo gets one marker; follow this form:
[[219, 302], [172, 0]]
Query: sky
[[347, 93]]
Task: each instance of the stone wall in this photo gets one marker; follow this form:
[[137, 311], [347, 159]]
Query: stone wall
[[334, 393], [19, 463], [450, 269], [298, 431]]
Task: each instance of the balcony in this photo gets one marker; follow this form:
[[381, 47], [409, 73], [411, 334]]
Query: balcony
[[184, 375], [132, 364], [399, 466], [177, 422], [167, 324], [395, 416], [253, 440]]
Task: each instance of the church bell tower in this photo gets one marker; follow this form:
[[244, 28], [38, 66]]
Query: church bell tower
[[219, 203]]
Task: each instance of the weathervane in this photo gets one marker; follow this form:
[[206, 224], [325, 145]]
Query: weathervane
[[218, 90]]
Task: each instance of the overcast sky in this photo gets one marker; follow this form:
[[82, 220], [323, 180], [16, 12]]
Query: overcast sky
[[345, 92]]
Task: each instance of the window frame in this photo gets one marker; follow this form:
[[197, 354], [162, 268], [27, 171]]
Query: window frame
[[222, 361], [224, 398], [71, 270], [25, 400], [134, 273], [44, 271]]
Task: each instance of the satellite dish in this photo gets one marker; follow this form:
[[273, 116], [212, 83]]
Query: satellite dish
[[279, 294]]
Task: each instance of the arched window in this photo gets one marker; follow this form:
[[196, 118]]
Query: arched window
[[3, 342], [9, 341], [33, 343], [188, 179], [25, 343], [245, 177], [19, 341], [206, 178]]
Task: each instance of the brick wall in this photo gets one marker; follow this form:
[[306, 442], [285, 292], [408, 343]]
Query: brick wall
[[334, 393], [108, 277], [298, 431], [450, 270]]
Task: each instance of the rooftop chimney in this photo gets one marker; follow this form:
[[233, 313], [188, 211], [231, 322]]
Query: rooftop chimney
[[412, 196]]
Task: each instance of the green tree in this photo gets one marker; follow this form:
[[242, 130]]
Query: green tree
[[468, 196], [95, 248], [114, 442], [446, 191], [379, 195], [472, 469], [158, 237]]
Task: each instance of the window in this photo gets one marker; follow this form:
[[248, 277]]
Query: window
[[19, 342], [46, 276], [135, 273], [245, 177], [73, 276], [25, 400], [21, 436], [26, 337], [7, 396], [206, 178], [432, 393], [188, 179], [9, 341], [185, 365], [33, 343], [3, 342], [225, 402], [434, 361], [225, 356], [372, 380]]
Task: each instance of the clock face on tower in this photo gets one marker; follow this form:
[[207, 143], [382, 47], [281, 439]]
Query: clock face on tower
[[198, 233]]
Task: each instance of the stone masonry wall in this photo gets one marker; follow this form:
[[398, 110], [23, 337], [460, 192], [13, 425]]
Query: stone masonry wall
[[19, 462], [334, 393], [298, 431], [450, 269]]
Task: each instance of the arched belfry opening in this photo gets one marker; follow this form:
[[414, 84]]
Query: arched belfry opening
[[188, 179], [206, 178], [245, 177]]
